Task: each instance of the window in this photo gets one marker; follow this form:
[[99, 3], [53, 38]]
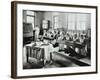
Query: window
[[71, 21], [29, 17], [78, 21], [82, 21], [56, 22]]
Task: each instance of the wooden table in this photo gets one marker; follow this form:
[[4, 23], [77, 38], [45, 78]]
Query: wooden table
[[29, 50]]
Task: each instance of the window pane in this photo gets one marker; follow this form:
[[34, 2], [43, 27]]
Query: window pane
[[30, 19]]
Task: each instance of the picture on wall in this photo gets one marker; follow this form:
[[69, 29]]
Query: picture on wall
[[53, 39]]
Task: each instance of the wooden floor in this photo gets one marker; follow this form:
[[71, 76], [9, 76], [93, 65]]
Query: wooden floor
[[59, 60]]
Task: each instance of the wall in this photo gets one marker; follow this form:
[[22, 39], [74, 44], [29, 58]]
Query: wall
[[72, 21], [38, 18], [50, 17], [5, 41]]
